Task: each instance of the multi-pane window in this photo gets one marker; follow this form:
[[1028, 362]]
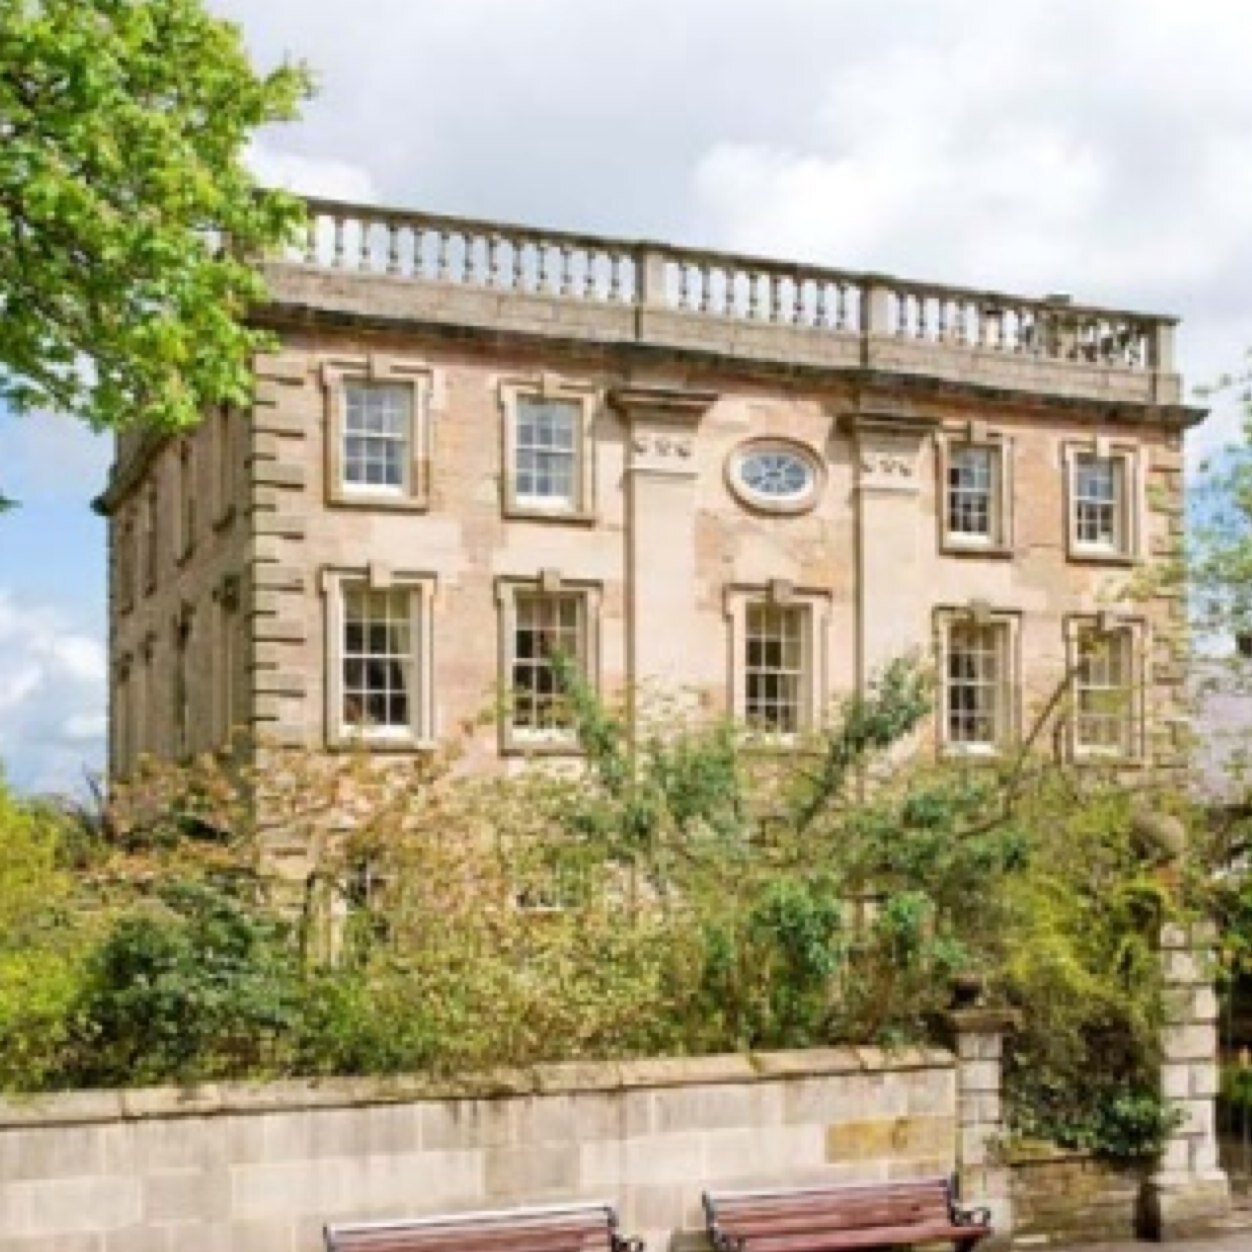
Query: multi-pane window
[[1099, 502], [377, 660], [977, 693], [775, 663], [377, 425], [972, 492], [546, 453], [545, 625], [1104, 691]]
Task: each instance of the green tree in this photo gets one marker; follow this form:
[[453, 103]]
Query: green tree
[[127, 216]]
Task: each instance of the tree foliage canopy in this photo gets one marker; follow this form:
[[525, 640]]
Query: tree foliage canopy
[[126, 212]]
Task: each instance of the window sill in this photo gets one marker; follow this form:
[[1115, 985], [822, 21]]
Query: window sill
[[513, 744], [531, 513], [381, 501], [379, 744], [1094, 556], [976, 551]]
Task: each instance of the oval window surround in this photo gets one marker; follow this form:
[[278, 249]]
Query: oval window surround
[[776, 475]]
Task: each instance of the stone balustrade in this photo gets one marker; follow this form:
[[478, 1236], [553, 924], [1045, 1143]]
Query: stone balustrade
[[571, 266]]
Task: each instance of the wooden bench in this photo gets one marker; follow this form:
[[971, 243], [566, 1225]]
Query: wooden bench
[[855, 1216], [554, 1228]]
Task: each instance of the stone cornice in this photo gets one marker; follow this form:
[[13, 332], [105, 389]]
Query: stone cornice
[[678, 405]]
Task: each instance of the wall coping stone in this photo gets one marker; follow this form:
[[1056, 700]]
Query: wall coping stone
[[214, 1099]]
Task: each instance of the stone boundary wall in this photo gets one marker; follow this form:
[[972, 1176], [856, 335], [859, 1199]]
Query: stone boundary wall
[[260, 1168], [1071, 1197]]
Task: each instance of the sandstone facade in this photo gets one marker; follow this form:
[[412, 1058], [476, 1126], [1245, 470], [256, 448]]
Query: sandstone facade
[[977, 476]]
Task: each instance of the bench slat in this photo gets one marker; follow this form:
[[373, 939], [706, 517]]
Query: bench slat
[[590, 1228], [839, 1217]]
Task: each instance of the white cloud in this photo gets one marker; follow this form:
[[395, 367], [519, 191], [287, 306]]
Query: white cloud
[[52, 694], [310, 176]]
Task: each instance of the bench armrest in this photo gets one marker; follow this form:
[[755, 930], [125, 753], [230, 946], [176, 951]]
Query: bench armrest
[[971, 1217]]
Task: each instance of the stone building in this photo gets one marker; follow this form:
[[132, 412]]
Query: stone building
[[747, 481]]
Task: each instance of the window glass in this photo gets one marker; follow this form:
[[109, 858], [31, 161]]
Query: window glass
[[1104, 691], [376, 426], [377, 659], [971, 491], [544, 625], [1098, 501], [777, 474], [976, 664], [774, 668], [545, 451]]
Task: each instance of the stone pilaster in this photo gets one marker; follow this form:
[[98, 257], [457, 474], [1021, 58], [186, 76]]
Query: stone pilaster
[[895, 537], [1188, 1192], [982, 1170], [661, 473]]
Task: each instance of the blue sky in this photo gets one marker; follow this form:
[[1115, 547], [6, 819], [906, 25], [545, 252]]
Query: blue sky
[[1038, 146]]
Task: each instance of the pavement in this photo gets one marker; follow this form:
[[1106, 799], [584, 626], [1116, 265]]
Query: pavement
[[1235, 1235]]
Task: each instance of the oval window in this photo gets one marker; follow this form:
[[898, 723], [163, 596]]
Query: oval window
[[778, 476]]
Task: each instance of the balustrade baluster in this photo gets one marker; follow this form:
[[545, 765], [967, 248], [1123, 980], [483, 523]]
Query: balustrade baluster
[[775, 297], [393, 247], [730, 306], [338, 255], [754, 295], [683, 285], [365, 252], [797, 300], [442, 239], [519, 267], [467, 258], [565, 261], [589, 274], [616, 291], [706, 287], [495, 276]]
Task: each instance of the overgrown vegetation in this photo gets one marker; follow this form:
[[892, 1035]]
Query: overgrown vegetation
[[692, 891]]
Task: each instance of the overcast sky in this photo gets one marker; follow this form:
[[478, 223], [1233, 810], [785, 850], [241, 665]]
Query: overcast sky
[[1103, 149]]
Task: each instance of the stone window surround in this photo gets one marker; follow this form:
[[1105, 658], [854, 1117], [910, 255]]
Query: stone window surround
[[982, 613], [512, 740], [1106, 621], [393, 371], [226, 650], [1000, 543], [548, 386], [422, 707], [779, 591], [1131, 505]]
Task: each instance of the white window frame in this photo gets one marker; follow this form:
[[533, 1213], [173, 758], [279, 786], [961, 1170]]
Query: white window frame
[[814, 606], [1007, 715], [1133, 631], [551, 389], [421, 729], [516, 739], [418, 379], [1128, 508], [999, 540]]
